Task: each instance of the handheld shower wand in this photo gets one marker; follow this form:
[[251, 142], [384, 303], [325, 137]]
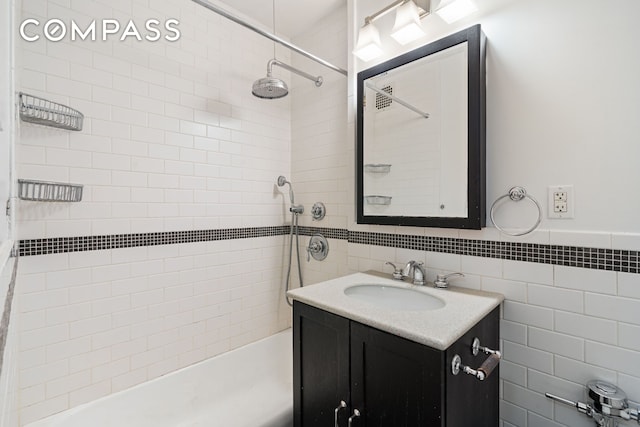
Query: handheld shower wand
[[295, 210], [281, 182]]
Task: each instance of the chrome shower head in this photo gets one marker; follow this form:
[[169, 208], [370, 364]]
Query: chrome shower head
[[273, 88], [270, 88]]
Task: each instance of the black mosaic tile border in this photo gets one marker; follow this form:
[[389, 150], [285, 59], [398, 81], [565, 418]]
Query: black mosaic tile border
[[329, 233], [56, 245], [572, 256]]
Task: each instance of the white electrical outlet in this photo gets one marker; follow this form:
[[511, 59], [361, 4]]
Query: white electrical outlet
[[561, 201]]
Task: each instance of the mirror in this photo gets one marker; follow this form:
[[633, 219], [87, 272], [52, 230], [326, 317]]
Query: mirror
[[421, 136]]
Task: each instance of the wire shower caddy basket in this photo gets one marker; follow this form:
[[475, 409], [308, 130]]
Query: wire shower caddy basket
[[34, 109], [43, 191]]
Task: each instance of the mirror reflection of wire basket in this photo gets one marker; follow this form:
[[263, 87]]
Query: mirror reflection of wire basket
[[378, 200], [377, 167], [43, 112]]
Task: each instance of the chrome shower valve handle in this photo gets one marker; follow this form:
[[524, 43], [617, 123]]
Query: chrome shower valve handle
[[318, 248], [318, 211]]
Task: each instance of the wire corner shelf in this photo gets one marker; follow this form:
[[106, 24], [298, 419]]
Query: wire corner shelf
[[44, 191], [34, 109]]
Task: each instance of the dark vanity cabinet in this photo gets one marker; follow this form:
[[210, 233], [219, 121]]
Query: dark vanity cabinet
[[389, 380]]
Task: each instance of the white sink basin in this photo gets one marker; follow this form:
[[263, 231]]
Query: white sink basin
[[394, 298]]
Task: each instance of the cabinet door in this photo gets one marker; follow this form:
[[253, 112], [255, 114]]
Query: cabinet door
[[394, 382], [320, 366]]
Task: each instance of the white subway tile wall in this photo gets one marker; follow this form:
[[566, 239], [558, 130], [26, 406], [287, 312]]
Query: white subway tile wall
[[171, 130], [88, 331], [9, 349], [321, 169], [173, 140], [561, 327]]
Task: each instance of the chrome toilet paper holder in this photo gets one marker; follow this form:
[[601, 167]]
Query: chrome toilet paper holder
[[485, 369]]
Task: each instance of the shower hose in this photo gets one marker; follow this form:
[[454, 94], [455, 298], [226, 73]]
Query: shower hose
[[294, 225]]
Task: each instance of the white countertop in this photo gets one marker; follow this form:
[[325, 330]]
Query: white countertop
[[436, 328]]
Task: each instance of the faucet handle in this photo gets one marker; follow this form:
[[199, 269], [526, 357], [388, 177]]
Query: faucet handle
[[441, 279], [397, 273]]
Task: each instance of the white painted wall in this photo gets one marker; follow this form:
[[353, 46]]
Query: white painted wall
[[562, 98]]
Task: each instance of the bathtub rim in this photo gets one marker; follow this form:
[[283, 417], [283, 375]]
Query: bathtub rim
[[54, 419]]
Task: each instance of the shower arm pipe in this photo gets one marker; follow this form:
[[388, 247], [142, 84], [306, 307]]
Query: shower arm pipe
[[224, 13], [317, 80], [398, 100]]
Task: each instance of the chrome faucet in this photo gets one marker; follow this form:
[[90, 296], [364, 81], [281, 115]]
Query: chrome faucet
[[415, 271]]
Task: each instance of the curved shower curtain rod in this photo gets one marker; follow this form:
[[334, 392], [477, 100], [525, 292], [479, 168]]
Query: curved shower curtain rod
[[268, 35]]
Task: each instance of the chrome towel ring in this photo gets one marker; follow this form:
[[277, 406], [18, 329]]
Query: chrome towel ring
[[516, 194]]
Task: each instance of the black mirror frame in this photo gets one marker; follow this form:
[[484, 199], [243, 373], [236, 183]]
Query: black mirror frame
[[476, 138]]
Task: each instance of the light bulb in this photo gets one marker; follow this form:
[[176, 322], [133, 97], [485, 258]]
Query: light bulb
[[407, 27], [368, 46], [456, 10]]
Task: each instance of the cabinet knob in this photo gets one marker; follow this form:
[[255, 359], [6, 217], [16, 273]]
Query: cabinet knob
[[342, 404], [356, 414]]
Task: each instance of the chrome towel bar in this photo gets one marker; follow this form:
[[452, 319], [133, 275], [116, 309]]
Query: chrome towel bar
[[516, 194]]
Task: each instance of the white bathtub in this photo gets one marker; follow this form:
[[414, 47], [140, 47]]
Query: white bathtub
[[247, 387]]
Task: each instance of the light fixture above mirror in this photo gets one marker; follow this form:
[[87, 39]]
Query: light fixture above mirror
[[369, 46], [408, 24], [407, 27], [455, 10]]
